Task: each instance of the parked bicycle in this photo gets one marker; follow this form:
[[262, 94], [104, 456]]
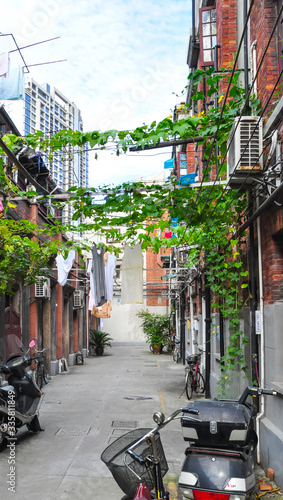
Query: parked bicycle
[[194, 379], [177, 351], [137, 460], [41, 374]]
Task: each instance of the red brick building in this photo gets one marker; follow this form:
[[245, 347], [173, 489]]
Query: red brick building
[[250, 33], [50, 312]]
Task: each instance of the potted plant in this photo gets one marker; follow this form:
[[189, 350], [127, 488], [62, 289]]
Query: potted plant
[[156, 328], [98, 341]]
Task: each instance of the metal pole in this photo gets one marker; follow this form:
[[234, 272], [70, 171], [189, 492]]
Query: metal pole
[[207, 337]]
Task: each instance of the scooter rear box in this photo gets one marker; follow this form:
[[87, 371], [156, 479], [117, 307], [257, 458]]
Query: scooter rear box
[[223, 423]]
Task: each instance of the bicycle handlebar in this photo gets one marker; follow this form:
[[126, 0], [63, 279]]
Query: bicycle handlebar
[[156, 429]]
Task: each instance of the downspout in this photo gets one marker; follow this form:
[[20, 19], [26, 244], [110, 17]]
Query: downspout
[[253, 301], [246, 58], [262, 371], [183, 332], [221, 339], [194, 22], [207, 337], [193, 339]]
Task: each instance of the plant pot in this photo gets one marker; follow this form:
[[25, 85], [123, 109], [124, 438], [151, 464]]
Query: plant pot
[[156, 349], [99, 350]]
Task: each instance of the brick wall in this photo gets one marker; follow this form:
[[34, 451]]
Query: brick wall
[[263, 17], [226, 16]]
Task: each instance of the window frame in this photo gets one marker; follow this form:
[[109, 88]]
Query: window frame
[[202, 62]]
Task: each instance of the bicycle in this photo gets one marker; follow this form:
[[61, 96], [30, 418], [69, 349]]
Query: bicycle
[[137, 460], [41, 374], [194, 379], [177, 352]]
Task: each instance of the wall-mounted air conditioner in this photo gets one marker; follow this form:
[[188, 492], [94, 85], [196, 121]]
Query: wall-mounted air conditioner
[[78, 299], [245, 158], [42, 287]]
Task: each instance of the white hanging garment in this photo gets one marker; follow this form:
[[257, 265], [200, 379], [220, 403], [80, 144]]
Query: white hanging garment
[[92, 299], [109, 274], [64, 266], [132, 281]]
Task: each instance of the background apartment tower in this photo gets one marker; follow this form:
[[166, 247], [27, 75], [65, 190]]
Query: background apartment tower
[[45, 108]]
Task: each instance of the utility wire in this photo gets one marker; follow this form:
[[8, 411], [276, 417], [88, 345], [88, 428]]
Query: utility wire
[[225, 99], [256, 126], [244, 107]]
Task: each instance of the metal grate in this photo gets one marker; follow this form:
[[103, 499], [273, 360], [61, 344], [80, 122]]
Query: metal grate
[[72, 431], [125, 424], [249, 145]]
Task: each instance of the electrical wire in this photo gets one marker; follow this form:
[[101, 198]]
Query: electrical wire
[[253, 131]]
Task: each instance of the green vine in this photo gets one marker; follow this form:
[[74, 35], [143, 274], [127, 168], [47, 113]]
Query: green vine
[[208, 216]]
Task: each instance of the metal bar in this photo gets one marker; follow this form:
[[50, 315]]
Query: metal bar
[[33, 44], [49, 62], [167, 144]]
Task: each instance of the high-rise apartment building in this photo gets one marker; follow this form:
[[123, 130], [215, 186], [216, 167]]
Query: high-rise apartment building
[[45, 108]]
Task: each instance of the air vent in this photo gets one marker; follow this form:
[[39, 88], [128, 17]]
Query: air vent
[[42, 288], [245, 159]]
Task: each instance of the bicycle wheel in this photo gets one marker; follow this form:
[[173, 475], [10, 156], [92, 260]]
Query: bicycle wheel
[[46, 377], [39, 376], [189, 384], [200, 384]]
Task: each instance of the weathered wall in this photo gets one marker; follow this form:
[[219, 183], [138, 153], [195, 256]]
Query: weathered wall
[[124, 325]]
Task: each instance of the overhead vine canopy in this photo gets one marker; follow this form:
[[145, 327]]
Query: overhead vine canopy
[[205, 217]]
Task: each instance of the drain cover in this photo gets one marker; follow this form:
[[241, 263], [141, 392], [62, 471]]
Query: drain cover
[[72, 431], [128, 424]]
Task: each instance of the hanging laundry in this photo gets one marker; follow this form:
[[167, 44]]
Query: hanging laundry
[[64, 266], [4, 64], [109, 274], [98, 273], [132, 279], [92, 299], [12, 87]]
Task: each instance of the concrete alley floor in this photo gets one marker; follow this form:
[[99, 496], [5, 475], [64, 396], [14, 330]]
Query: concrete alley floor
[[83, 411]]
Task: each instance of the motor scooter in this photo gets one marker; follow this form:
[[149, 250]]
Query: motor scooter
[[20, 397], [220, 459]]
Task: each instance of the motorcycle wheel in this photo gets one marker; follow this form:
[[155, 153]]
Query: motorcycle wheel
[[189, 385]]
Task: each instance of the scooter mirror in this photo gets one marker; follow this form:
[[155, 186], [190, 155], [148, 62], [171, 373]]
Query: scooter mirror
[[32, 343], [158, 417]]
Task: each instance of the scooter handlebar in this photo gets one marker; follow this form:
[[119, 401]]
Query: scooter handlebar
[[255, 391], [269, 392]]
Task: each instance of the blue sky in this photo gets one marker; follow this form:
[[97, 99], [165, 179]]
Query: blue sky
[[124, 61]]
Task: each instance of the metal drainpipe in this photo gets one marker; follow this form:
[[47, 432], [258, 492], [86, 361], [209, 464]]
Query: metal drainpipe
[[207, 337], [193, 22], [253, 301], [182, 332], [246, 57], [221, 339], [262, 371]]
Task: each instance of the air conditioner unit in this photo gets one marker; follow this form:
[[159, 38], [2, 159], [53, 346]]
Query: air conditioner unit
[[78, 299], [42, 287], [245, 155]]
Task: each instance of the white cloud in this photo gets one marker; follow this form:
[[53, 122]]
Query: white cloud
[[124, 61]]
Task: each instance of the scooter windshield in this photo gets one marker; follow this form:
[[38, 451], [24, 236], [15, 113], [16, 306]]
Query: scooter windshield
[[10, 346]]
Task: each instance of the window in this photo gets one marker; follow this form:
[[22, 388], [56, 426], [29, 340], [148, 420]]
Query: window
[[208, 38]]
